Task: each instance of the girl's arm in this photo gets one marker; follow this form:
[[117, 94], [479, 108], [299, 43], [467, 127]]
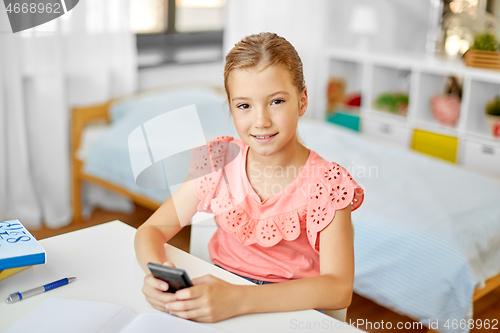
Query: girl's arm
[[151, 237], [332, 290], [165, 222], [213, 299]]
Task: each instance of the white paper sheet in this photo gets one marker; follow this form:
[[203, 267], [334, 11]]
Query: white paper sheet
[[160, 323], [57, 315]]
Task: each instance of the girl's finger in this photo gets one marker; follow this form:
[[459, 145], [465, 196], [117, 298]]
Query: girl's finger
[[203, 279], [169, 264], [183, 305], [155, 283], [189, 293], [159, 301], [190, 314], [165, 297], [158, 294], [156, 303], [203, 319], [159, 308]]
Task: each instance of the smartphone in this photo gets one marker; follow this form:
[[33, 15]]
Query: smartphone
[[176, 278]]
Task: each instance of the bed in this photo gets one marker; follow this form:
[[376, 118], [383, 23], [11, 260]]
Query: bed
[[427, 238]]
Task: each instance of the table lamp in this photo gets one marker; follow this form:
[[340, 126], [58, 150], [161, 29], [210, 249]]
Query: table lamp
[[363, 23]]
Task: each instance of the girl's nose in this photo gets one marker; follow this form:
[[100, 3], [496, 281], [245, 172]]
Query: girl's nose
[[262, 119]]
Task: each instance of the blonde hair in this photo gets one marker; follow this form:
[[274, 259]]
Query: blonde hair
[[265, 49]]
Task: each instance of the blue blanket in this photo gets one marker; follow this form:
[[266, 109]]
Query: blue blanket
[[427, 233]]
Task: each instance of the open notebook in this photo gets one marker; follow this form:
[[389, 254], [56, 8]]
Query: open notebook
[[65, 315]]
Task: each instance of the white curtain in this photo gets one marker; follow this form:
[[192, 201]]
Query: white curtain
[[302, 23], [86, 56]]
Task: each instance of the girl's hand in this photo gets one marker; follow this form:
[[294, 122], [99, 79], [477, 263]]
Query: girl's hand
[[209, 300], [154, 290]]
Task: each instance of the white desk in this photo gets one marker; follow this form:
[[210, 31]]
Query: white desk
[[103, 260]]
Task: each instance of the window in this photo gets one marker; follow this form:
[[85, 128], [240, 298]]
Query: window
[[462, 19], [177, 31], [199, 15], [148, 16]]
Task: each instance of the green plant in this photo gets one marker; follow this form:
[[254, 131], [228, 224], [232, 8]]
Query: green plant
[[392, 102], [485, 42], [493, 107]]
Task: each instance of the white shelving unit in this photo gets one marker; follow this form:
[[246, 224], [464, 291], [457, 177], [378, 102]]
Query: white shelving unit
[[372, 74]]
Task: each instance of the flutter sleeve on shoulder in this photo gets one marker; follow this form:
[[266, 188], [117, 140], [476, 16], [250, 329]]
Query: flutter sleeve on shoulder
[[206, 167], [335, 189]]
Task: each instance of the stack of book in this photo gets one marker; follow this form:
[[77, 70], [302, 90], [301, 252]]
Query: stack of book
[[18, 249]]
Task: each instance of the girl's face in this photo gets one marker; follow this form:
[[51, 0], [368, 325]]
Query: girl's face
[[266, 107]]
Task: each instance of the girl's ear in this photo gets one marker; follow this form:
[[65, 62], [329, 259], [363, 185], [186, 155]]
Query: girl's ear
[[303, 102]]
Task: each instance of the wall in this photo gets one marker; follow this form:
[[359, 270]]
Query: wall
[[155, 77], [301, 22], [402, 25], [309, 26]]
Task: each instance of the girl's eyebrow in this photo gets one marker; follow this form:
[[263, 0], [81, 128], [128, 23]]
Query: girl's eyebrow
[[277, 93], [269, 96], [242, 98]]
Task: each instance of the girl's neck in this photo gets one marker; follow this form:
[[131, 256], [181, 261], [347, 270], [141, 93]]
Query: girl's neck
[[293, 154]]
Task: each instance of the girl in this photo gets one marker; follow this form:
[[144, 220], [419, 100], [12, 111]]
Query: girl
[[273, 225]]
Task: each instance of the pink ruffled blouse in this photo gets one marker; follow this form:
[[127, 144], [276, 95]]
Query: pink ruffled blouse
[[276, 239]]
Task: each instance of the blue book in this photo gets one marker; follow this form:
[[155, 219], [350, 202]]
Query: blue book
[[18, 247]]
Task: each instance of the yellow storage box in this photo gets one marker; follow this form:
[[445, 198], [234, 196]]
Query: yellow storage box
[[437, 145]]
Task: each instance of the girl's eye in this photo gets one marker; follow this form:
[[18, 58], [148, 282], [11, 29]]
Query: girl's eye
[[243, 106], [277, 101]]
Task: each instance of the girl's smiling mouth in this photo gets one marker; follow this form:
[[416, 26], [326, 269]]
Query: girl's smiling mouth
[[264, 138]]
